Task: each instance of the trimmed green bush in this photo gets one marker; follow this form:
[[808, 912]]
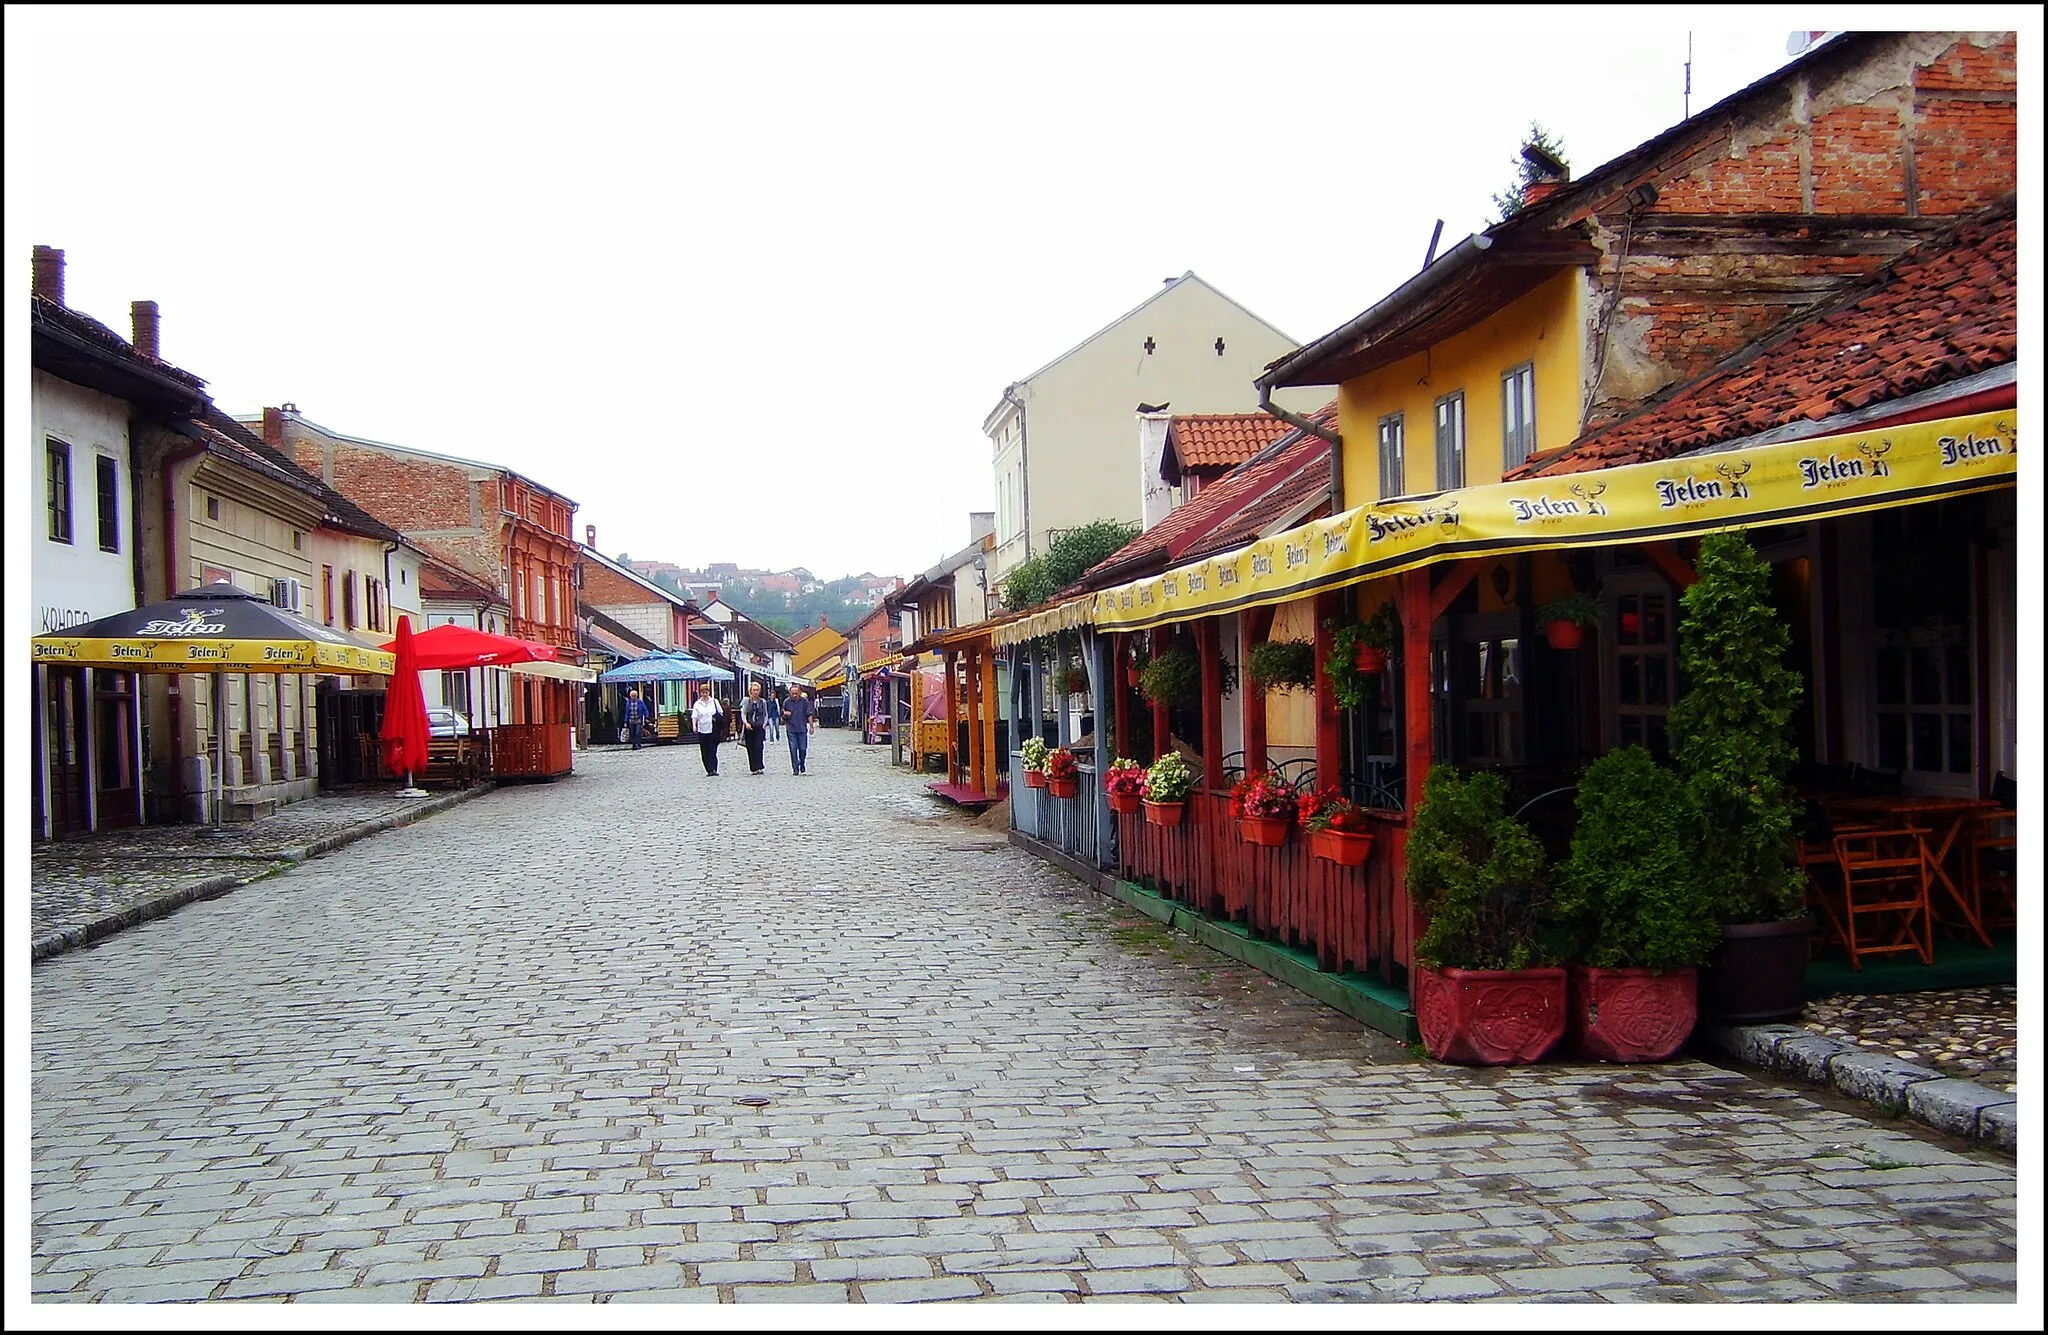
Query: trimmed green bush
[[1477, 872], [1282, 665], [1731, 734], [1629, 892]]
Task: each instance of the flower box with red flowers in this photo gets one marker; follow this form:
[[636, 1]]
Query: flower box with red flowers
[[1124, 785], [1062, 772], [1338, 830], [1264, 805]]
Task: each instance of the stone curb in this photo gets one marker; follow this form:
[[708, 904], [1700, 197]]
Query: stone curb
[[70, 938], [1956, 1107]]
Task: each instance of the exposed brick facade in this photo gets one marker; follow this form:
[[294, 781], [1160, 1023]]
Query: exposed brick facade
[[1765, 214]]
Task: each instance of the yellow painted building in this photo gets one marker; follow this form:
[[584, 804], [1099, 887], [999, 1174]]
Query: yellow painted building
[[819, 655]]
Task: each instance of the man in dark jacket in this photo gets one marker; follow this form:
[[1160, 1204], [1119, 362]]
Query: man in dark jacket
[[754, 721]]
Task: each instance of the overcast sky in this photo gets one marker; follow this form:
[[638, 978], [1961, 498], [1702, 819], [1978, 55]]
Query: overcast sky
[[744, 284]]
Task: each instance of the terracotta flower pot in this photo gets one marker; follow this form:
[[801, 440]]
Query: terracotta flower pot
[[1484, 1017], [1124, 803], [1370, 658], [1163, 813], [1340, 846], [1034, 778], [1131, 676], [1265, 831], [1631, 1015], [1066, 787], [1564, 634], [1758, 973]]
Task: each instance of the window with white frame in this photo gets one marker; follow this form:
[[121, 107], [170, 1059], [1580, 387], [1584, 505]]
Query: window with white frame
[[58, 489], [1518, 415], [1450, 441], [1392, 455]]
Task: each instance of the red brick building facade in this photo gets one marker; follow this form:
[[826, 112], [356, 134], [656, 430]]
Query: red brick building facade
[[508, 531]]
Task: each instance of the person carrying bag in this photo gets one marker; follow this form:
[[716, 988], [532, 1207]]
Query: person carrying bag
[[708, 721]]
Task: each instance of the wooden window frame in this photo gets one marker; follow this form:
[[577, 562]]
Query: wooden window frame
[[1450, 441], [1517, 415], [107, 480], [1394, 463], [57, 487]]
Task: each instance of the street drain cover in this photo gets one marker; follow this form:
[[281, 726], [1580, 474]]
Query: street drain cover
[[753, 1101]]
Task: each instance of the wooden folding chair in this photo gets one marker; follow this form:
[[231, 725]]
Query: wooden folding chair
[[1883, 907], [1992, 850]]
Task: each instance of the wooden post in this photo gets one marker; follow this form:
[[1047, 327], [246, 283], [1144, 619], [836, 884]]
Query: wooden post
[[1328, 765], [1118, 658], [1100, 661], [1207, 649], [970, 662], [1256, 625], [1059, 691], [952, 719], [1415, 624], [987, 696]]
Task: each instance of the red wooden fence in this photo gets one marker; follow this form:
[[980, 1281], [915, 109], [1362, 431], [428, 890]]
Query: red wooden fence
[[1345, 915], [531, 750]]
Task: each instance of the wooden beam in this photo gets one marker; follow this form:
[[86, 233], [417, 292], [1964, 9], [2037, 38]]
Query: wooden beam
[[1664, 556], [971, 660], [1162, 732], [1257, 624], [990, 760], [1416, 619], [1207, 649], [1446, 593], [1328, 766], [952, 720], [1119, 660]]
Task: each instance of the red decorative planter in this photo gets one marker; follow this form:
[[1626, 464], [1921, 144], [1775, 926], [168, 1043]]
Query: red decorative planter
[[1338, 846], [1265, 831], [1564, 634], [1131, 677], [1063, 787], [1124, 803], [1483, 1017], [1163, 813], [1034, 778], [1631, 1015], [1370, 658]]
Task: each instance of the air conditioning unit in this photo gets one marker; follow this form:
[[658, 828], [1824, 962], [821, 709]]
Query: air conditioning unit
[[288, 594]]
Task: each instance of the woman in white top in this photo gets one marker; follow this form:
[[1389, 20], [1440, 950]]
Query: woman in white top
[[707, 718]]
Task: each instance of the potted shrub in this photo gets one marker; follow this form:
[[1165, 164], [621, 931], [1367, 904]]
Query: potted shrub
[[1282, 665], [1337, 828], [1634, 908], [1359, 650], [1033, 753], [1265, 805], [1125, 785], [1167, 785], [1566, 617], [1062, 772], [1731, 737], [1483, 992]]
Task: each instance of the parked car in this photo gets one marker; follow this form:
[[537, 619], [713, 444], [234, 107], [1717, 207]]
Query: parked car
[[445, 722]]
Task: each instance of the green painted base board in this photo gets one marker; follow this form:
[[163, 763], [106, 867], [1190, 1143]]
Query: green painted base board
[[1371, 1001], [1956, 964]]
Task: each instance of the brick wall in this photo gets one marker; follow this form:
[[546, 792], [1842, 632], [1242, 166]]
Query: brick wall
[[605, 587], [1862, 159]]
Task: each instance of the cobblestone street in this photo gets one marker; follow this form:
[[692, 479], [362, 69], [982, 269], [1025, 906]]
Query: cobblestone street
[[647, 1036]]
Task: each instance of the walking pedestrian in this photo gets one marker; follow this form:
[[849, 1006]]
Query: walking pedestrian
[[774, 716], [754, 726], [636, 716], [800, 720], [707, 718]]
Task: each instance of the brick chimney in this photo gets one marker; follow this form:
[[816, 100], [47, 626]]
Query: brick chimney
[[590, 536], [273, 428], [142, 315], [1537, 191], [49, 273]]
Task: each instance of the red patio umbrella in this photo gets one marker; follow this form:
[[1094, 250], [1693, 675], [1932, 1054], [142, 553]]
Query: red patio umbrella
[[446, 648], [405, 710]]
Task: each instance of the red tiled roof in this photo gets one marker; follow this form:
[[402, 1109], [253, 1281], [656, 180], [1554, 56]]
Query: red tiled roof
[[45, 310], [1311, 478], [1221, 440], [1289, 466], [1940, 312]]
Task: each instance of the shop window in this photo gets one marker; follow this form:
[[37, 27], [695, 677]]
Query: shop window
[[1924, 674], [1644, 670], [1450, 441], [1518, 415], [1393, 470]]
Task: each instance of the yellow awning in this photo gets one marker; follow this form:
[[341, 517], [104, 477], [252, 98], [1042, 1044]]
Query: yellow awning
[[1670, 498], [193, 655]]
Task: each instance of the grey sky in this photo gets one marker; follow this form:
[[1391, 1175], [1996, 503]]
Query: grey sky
[[744, 284]]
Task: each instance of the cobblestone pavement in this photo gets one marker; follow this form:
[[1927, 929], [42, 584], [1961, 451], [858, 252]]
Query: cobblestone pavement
[[643, 1035], [1971, 1033]]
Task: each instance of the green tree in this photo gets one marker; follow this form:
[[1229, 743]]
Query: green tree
[[1070, 556], [1509, 202]]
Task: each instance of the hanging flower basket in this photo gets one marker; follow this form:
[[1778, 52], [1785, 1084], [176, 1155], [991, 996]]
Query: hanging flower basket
[[1371, 659], [1034, 778], [1163, 813], [1124, 785], [1066, 787], [1346, 850], [1132, 675], [1062, 772], [1265, 831], [1124, 804], [1565, 634]]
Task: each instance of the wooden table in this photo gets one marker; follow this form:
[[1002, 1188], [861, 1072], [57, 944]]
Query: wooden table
[[1944, 817]]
